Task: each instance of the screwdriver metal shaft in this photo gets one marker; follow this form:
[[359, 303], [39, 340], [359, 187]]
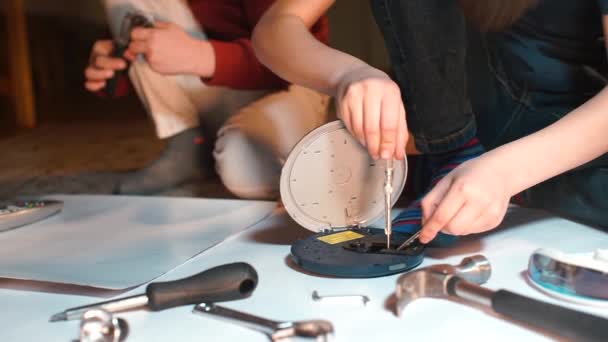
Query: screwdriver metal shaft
[[117, 305], [388, 200], [409, 241]]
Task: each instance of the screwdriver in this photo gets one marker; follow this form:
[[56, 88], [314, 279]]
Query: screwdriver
[[222, 283], [410, 240], [388, 201]]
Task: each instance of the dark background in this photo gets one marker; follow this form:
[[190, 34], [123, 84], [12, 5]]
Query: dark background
[[82, 143]]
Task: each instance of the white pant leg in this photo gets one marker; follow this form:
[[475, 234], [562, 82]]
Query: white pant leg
[[175, 11], [253, 145], [173, 102]]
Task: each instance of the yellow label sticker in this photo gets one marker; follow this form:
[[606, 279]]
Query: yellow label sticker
[[333, 239]]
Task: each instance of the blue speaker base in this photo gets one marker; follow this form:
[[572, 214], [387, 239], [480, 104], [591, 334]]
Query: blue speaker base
[[364, 257]]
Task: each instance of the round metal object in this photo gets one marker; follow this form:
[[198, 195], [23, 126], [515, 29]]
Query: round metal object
[[99, 325], [330, 181]]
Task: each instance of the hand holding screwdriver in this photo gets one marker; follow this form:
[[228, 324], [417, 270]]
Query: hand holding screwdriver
[[218, 284]]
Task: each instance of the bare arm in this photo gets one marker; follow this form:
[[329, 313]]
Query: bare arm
[[578, 138], [367, 100], [282, 41], [474, 197]]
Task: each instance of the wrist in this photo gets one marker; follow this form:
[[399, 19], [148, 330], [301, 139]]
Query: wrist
[[354, 72], [508, 168], [204, 59]]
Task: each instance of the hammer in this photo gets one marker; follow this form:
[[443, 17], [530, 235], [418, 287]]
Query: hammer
[[462, 281]]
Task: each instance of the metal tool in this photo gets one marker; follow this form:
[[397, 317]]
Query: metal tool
[[409, 241], [355, 298], [218, 284], [580, 277], [15, 214], [123, 39], [100, 326], [320, 330], [388, 201], [461, 281]]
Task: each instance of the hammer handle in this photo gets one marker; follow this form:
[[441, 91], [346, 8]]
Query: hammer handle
[[575, 325]]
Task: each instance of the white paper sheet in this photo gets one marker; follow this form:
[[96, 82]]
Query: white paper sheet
[[118, 242], [284, 291]]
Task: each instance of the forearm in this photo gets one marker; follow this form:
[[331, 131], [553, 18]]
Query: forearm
[[230, 64], [283, 43], [237, 67], [578, 138]]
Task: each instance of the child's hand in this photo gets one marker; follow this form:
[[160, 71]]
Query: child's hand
[[471, 199], [170, 50], [370, 106], [101, 65]]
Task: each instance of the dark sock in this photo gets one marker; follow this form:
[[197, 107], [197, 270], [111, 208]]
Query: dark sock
[[410, 220], [180, 162]]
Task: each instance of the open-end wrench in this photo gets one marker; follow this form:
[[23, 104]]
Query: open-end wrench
[[98, 325], [320, 330]]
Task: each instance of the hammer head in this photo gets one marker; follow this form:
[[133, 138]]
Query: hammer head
[[433, 281]]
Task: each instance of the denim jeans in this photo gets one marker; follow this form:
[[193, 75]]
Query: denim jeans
[[455, 87]]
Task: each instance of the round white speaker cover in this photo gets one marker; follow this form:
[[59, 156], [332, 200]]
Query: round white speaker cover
[[330, 181]]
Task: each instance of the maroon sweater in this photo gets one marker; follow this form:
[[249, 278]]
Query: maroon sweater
[[228, 24]]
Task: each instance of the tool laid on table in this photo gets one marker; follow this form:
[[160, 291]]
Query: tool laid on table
[[222, 283], [355, 298], [98, 325], [320, 330], [122, 41], [330, 185], [462, 281], [580, 278], [15, 214], [388, 201]]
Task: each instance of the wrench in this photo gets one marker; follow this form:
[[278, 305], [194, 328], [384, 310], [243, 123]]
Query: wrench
[[320, 330], [98, 325]]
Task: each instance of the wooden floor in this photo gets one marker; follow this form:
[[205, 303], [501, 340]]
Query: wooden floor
[[82, 144], [85, 151]]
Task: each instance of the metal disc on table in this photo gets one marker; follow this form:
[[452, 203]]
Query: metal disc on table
[[329, 182]]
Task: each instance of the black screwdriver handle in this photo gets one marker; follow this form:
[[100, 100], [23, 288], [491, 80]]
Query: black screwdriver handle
[[218, 284], [575, 325], [112, 83]]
